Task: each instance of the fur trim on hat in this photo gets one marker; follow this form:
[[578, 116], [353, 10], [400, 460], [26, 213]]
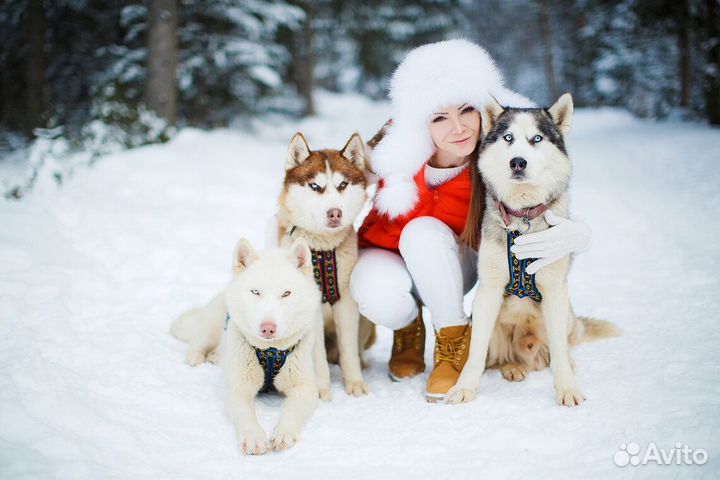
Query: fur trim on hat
[[431, 77]]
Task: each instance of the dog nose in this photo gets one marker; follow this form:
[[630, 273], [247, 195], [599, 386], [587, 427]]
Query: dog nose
[[518, 164], [268, 329], [334, 214], [529, 345]]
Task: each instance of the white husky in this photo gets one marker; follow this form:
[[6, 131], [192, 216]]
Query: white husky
[[526, 170], [273, 341]]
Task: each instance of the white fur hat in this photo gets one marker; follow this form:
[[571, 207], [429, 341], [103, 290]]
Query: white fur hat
[[431, 77]]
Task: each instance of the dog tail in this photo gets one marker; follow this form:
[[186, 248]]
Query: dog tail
[[379, 135], [185, 325], [595, 329]]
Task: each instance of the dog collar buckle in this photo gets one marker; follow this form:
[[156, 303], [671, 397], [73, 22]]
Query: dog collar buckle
[[526, 221]]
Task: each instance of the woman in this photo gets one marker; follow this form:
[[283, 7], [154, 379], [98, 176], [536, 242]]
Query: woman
[[419, 243]]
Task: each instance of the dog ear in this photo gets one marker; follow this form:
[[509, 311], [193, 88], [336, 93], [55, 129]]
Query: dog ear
[[490, 114], [301, 254], [298, 151], [561, 113], [354, 150], [243, 255]]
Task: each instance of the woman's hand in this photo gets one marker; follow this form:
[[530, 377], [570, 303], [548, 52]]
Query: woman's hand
[[562, 238]]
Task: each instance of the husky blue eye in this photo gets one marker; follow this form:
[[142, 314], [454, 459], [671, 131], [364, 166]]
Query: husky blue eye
[[254, 292], [537, 139], [342, 185], [508, 137], [286, 293], [315, 187]]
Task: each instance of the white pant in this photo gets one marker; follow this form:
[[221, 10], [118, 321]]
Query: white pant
[[433, 267]]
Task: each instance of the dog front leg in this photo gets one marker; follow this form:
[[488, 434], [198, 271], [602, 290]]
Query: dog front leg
[[240, 403], [347, 320], [322, 369], [485, 310], [300, 401], [555, 310]]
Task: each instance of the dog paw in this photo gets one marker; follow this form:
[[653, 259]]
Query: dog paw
[[194, 358], [282, 440], [513, 372], [253, 443], [356, 388], [460, 394], [569, 396], [324, 394], [213, 357]]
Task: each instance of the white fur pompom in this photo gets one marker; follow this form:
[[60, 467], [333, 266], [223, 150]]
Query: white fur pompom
[[406, 147], [397, 197]]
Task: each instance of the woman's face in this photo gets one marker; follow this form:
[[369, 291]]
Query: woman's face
[[455, 129]]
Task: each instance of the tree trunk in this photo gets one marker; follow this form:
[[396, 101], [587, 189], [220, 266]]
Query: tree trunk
[[35, 66], [161, 87], [303, 60], [712, 91], [546, 35], [685, 52], [308, 69]]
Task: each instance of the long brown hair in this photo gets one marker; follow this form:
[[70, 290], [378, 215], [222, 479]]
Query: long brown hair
[[470, 235]]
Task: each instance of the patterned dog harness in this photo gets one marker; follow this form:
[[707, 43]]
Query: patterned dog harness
[[521, 284], [325, 272], [271, 360]]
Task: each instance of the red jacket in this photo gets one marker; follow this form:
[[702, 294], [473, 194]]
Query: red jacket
[[448, 203]]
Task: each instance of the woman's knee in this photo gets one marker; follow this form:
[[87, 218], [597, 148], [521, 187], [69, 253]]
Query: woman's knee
[[393, 310], [424, 235], [381, 286]]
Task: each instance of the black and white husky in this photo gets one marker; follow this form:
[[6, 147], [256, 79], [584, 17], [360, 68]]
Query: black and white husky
[[526, 171]]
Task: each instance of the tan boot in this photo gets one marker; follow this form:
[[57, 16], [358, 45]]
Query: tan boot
[[407, 359], [451, 352]]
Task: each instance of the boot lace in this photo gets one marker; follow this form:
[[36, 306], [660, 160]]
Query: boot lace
[[449, 349], [408, 337]]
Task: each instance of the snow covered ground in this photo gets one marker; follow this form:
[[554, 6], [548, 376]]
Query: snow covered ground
[[91, 275]]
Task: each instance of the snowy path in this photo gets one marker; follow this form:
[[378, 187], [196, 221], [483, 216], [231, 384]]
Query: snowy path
[[93, 386]]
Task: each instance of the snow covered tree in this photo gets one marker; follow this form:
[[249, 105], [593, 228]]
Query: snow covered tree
[[517, 41], [360, 44], [229, 60]]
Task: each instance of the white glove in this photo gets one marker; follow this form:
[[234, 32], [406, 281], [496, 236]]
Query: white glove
[[562, 238]]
